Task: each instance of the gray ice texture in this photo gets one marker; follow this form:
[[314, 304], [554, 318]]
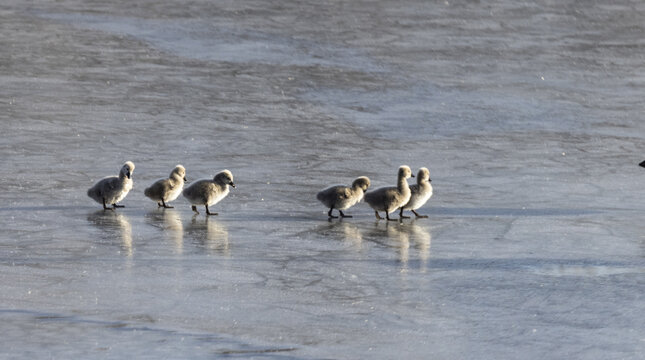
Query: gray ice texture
[[528, 114]]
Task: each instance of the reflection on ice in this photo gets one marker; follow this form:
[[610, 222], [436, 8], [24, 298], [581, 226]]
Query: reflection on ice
[[114, 225], [422, 239], [170, 223], [399, 235], [351, 234], [346, 232], [209, 234]]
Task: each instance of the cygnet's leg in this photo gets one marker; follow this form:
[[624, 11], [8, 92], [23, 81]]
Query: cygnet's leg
[[159, 204], [208, 212], [117, 206], [378, 217], [329, 213], [195, 209], [343, 215], [166, 206], [387, 216], [419, 216], [404, 217], [105, 207]]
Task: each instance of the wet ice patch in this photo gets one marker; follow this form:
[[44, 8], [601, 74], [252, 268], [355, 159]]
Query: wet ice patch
[[202, 40], [509, 212], [585, 270]]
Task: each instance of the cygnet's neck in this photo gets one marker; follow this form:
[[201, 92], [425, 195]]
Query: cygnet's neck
[[402, 185], [177, 178]]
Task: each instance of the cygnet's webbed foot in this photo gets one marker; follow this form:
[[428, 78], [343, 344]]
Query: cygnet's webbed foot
[[332, 216], [401, 214], [194, 208], [378, 217], [208, 212], [343, 215], [117, 206], [419, 216], [387, 216], [105, 207]]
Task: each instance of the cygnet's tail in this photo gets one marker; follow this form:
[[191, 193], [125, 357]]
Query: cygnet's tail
[[93, 193]]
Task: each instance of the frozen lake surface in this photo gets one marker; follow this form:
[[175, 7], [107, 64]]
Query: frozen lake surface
[[528, 115]]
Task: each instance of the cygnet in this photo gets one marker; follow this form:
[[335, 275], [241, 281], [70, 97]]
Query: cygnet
[[341, 197], [420, 194], [112, 189], [167, 190], [391, 198], [209, 192]]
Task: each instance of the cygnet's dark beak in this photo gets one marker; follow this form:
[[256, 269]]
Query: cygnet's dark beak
[[429, 180], [642, 164], [128, 174], [231, 183], [411, 175], [185, 179]]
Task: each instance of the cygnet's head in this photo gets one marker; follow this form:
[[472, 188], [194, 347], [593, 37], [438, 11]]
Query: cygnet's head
[[224, 177], [127, 169], [179, 172], [423, 175], [361, 182], [405, 172]]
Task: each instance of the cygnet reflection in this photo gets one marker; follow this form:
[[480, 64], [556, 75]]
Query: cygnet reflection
[[422, 239], [390, 235], [169, 222], [346, 232], [399, 236], [113, 226], [210, 235], [401, 241]]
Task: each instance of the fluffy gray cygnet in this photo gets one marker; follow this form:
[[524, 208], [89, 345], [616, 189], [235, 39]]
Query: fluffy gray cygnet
[[167, 190], [209, 192], [341, 197], [420, 193], [112, 189], [391, 198]]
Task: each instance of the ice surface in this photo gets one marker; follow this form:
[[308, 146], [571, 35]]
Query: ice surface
[[528, 115]]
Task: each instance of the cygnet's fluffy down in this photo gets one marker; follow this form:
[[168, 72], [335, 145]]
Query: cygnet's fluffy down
[[112, 189], [166, 190], [209, 192], [341, 197], [420, 193], [388, 199]]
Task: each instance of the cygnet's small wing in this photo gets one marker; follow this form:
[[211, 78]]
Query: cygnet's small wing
[[158, 189], [331, 195]]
